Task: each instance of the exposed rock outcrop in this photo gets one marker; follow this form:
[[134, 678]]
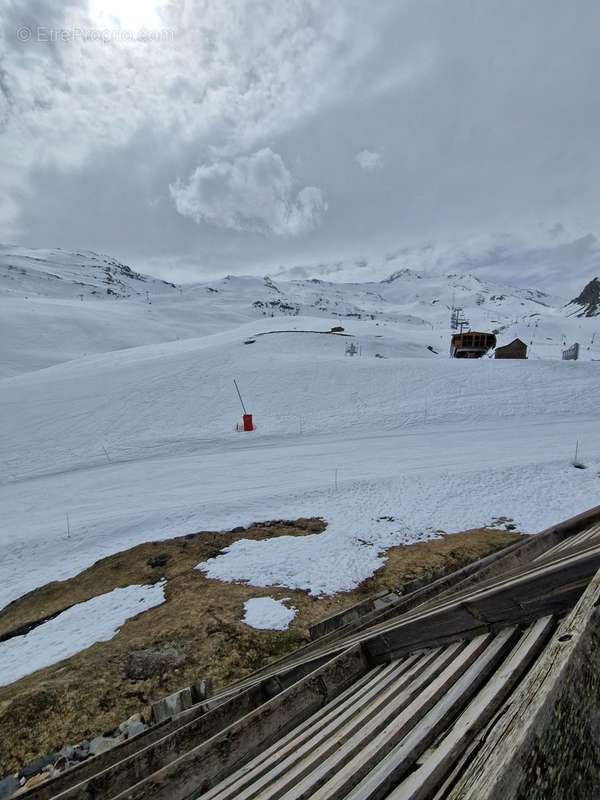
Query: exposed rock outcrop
[[588, 300]]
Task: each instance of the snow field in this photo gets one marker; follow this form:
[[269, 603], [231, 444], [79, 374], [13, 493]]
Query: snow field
[[79, 627], [137, 444], [265, 613], [437, 444], [179, 398]]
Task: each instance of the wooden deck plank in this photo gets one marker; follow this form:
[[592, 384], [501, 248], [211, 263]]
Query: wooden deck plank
[[206, 762], [371, 774], [498, 769], [571, 542], [435, 766], [585, 546], [551, 590], [523, 577], [526, 582], [355, 755], [302, 759], [336, 704], [315, 728]]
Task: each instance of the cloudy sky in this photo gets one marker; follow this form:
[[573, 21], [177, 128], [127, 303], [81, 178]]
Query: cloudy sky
[[194, 137]]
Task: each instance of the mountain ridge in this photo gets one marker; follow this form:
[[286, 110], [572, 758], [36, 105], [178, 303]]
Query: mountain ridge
[[58, 305], [588, 300]]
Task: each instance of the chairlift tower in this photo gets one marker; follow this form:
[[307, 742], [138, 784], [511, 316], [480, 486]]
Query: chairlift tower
[[457, 320]]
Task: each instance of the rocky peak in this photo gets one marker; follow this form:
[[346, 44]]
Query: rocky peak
[[589, 299]]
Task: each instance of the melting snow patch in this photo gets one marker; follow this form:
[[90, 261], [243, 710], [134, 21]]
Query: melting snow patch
[[79, 627], [367, 517], [268, 614]]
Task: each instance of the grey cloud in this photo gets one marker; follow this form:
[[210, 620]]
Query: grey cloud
[[232, 76], [486, 115], [252, 193]]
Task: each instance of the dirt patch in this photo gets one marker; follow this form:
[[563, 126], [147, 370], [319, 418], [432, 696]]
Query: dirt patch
[[448, 553], [197, 633], [146, 563]]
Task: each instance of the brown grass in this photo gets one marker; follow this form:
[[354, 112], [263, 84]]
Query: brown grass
[[201, 619]]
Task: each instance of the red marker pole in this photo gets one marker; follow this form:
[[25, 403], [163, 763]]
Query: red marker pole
[[248, 424]]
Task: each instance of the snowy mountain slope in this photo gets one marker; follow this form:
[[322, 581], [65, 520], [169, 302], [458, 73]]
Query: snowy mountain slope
[[550, 263], [136, 440], [140, 444], [54, 307], [179, 397], [67, 274], [57, 306]]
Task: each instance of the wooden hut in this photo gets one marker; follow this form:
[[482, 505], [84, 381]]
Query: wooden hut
[[471, 344], [515, 349]]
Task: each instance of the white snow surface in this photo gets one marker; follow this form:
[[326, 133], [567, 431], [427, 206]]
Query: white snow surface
[[266, 613], [79, 627], [119, 410]]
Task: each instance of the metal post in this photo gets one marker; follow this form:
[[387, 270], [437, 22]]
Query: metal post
[[240, 396]]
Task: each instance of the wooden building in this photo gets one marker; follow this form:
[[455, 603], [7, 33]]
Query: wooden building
[[471, 344], [515, 349]]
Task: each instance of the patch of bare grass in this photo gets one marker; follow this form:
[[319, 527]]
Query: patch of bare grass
[[198, 630]]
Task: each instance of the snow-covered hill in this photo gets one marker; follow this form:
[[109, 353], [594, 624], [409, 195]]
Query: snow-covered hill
[[63, 274], [553, 262], [57, 306], [119, 410]]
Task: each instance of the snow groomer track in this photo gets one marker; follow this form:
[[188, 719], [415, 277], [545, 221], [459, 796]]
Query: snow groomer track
[[482, 684]]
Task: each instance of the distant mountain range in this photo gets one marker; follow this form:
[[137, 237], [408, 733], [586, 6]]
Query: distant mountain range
[[57, 305], [552, 266]]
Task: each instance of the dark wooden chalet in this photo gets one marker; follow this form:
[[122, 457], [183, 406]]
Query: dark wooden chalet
[[515, 349]]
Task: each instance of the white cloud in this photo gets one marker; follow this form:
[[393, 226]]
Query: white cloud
[[369, 160], [226, 76], [251, 193]]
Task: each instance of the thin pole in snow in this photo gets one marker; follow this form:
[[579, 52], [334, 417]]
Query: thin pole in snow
[[336, 480], [237, 388], [68, 528]]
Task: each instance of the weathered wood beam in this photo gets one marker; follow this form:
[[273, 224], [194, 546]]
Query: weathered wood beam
[[553, 590], [435, 765], [546, 743], [204, 765]]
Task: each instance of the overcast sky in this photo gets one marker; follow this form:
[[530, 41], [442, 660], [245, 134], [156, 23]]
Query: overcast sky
[[240, 135]]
